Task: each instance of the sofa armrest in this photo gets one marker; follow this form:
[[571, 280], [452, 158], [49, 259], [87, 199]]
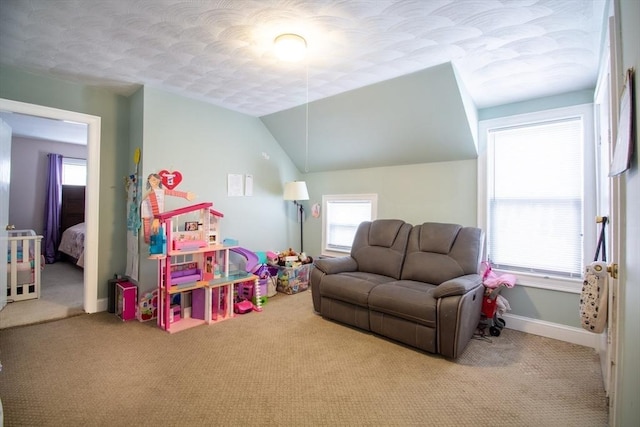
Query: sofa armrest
[[458, 286], [336, 265]]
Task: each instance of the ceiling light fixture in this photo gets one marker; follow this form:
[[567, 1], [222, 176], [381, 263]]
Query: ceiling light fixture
[[290, 47]]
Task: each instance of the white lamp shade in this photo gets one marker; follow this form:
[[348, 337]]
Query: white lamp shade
[[296, 190]]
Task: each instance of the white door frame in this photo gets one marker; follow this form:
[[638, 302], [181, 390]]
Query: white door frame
[[607, 199], [617, 216], [5, 183], [607, 99], [93, 185]]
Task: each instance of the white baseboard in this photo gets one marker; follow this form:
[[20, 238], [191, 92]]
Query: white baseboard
[[552, 330], [102, 305]]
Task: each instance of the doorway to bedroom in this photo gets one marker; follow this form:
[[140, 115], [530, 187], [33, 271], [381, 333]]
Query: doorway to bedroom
[[66, 288]]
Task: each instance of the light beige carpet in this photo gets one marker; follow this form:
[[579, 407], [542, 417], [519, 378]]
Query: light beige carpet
[[62, 287], [286, 366]]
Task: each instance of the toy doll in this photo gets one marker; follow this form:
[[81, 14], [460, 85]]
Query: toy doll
[[153, 203]]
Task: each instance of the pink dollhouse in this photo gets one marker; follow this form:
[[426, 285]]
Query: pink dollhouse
[[194, 284]]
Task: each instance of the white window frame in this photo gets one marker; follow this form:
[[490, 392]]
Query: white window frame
[[326, 199], [585, 111]]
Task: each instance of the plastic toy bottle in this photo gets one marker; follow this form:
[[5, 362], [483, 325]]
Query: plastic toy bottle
[[157, 242]]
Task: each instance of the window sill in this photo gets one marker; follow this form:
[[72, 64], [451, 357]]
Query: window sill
[[333, 254], [560, 284]]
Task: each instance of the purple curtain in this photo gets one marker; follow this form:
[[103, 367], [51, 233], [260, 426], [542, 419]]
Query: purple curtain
[[53, 209]]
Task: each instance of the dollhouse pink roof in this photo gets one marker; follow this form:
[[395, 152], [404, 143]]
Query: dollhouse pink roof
[[216, 213], [186, 209]]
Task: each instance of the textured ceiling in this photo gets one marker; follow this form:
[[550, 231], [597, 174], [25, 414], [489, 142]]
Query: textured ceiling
[[221, 51]]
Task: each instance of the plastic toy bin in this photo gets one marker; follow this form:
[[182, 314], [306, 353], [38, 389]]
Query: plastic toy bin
[[292, 280]]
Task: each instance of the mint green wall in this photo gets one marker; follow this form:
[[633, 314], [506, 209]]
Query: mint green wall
[[206, 143], [427, 111], [539, 104], [544, 304], [441, 192], [136, 125], [114, 111]]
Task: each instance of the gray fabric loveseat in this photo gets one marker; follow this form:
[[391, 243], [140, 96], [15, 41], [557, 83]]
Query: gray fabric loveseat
[[418, 285]]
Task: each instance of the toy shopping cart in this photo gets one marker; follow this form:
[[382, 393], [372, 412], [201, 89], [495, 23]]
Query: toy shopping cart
[[493, 285], [489, 316]]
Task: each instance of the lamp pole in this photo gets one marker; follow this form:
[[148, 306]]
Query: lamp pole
[[301, 219]]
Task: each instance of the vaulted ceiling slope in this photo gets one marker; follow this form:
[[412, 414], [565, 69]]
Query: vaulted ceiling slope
[[418, 118]]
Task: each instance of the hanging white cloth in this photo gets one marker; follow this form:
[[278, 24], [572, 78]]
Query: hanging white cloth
[[134, 190]]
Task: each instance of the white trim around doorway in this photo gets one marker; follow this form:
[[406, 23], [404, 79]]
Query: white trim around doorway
[[93, 185]]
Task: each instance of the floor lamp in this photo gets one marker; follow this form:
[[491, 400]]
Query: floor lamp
[[297, 191]]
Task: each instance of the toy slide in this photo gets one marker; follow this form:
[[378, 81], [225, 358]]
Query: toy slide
[[252, 258]]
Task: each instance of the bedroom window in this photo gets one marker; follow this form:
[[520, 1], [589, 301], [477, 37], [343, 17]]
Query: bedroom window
[[74, 171], [340, 219], [534, 204]]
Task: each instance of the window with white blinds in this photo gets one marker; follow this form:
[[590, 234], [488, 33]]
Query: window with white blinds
[[342, 214], [535, 197]]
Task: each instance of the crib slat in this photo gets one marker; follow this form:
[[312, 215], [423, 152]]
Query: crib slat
[[28, 244], [13, 268]]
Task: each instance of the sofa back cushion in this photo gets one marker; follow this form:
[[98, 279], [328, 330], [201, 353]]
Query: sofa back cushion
[[438, 252], [379, 246]]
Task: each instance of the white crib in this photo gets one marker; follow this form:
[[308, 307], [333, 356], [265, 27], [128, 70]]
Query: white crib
[[24, 265]]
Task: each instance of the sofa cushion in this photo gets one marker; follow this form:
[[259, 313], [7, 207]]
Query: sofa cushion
[[379, 246], [352, 287], [430, 268], [384, 232], [437, 238], [440, 252], [406, 299]]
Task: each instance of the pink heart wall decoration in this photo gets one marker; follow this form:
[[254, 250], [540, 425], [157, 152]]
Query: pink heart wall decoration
[[170, 179]]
